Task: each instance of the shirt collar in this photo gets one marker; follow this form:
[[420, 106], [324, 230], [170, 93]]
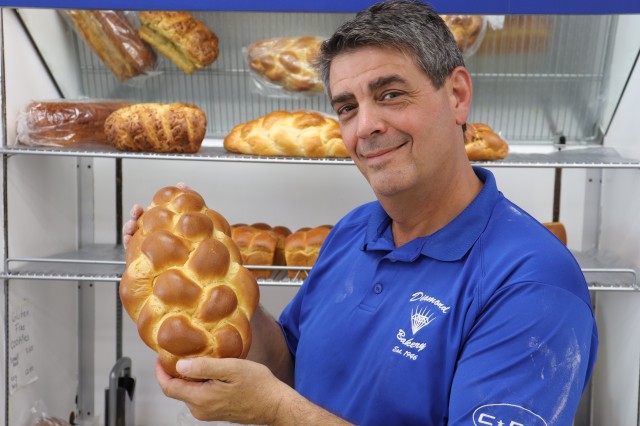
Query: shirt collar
[[450, 243]]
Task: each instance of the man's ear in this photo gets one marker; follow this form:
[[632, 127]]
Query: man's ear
[[460, 92]]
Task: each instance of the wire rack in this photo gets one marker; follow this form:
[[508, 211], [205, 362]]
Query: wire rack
[[537, 78]]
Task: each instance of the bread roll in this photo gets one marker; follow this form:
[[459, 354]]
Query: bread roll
[[301, 248], [184, 285], [64, 123], [483, 144], [114, 39], [557, 229], [186, 41], [292, 134], [257, 247], [287, 62], [157, 127], [282, 232]]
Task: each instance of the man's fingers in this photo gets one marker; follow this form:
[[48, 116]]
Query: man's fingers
[[208, 368], [136, 211], [182, 185]]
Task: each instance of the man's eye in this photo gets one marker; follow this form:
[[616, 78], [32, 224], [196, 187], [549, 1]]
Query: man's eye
[[390, 95], [345, 109]]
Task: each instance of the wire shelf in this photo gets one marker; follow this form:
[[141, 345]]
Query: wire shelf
[[603, 271]]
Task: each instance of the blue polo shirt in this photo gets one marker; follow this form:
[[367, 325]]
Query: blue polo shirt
[[487, 320]]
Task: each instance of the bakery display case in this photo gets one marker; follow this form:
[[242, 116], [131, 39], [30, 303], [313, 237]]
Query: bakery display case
[[553, 80]]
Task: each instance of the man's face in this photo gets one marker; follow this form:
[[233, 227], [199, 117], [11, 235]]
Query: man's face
[[397, 127]]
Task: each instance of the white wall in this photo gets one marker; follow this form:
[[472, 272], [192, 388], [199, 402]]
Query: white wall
[[42, 218], [617, 372]]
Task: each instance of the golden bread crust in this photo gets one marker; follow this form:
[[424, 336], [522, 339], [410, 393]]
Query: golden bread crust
[[483, 144], [287, 62], [156, 127], [185, 40], [292, 134], [184, 284]]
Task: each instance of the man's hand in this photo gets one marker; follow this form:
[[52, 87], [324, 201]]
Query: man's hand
[[235, 390], [131, 226]]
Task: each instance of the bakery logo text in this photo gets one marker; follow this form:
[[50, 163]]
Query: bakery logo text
[[421, 316]]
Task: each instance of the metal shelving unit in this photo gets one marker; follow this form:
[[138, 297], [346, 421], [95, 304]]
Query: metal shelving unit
[[101, 262], [557, 157]]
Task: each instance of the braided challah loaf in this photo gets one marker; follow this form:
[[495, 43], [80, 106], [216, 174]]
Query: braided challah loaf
[[157, 127], [292, 134], [287, 62], [184, 285]]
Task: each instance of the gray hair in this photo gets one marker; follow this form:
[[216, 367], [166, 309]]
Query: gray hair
[[409, 26]]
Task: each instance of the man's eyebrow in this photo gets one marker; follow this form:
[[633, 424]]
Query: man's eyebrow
[[385, 81], [342, 97], [373, 86]]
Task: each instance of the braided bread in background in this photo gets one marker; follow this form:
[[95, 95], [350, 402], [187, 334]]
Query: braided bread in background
[[291, 134], [184, 285], [287, 62]]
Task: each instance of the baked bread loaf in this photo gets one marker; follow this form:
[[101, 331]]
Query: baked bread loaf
[[186, 41], [64, 123], [557, 229], [157, 127], [287, 62], [114, 39], [184, 285], [257, 247], [292, 134], [282, 232], [468, 31], [483, 144], [301, 248]]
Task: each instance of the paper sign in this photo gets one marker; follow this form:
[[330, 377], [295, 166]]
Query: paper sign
[[22, 348]]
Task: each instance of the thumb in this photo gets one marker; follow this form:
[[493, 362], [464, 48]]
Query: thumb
[[208, 368]]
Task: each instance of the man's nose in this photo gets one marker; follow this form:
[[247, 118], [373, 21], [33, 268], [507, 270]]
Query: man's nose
[[370, 121]]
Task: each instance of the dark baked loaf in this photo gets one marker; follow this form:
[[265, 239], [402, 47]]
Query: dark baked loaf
[[114, 39], [156, 127], [64, 123], [186, 41]]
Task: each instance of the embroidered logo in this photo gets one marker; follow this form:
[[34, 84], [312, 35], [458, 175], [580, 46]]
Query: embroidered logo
[[422, 314], [420, 317]]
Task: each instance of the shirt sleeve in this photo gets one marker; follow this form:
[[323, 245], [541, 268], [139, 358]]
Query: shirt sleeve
[[527, 359]]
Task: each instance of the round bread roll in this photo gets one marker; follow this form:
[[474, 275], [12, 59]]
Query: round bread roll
[[257, 247], [184, 285], [483, 144], [302, 248]]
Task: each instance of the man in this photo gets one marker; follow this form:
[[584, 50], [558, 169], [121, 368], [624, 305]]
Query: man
[[442, 302]]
